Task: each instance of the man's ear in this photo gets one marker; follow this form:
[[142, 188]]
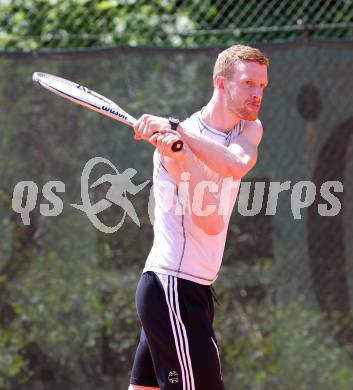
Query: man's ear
[[219, 82]]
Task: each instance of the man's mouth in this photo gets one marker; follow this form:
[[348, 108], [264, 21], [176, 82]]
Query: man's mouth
[[253, 105]]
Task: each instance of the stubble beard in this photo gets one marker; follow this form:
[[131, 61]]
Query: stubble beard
[[245, 114], [249, 115], [241, 111]]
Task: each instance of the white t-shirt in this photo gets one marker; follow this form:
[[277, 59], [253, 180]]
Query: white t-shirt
[[180, 248]]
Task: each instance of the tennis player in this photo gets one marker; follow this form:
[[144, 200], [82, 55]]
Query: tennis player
[[178, 349]]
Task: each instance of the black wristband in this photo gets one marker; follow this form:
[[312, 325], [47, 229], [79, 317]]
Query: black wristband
[[174, 122]]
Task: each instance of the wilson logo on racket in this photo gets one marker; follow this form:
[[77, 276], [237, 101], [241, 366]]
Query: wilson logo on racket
[[114, 112]]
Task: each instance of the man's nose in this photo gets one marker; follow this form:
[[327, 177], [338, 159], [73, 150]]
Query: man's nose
[[257, 94]]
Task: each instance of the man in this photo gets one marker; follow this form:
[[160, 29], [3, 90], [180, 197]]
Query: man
[[178, 349]]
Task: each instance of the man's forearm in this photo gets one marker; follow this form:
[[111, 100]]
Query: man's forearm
[[216, 156]]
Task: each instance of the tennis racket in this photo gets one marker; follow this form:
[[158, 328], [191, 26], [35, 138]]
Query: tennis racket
[[85, 97]]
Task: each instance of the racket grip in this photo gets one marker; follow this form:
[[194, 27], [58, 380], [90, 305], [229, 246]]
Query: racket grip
[[177, 146]]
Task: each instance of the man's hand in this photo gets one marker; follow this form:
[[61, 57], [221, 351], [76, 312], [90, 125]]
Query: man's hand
[[157, 131], [164, 140], [147, 125]]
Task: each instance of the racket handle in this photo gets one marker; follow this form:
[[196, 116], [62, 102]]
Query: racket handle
[[177, 146]]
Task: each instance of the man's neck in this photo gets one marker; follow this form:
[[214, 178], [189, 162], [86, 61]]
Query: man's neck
[[217, 116]]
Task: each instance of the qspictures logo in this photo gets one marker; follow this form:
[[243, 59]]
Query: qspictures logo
[[178, 201], [121, 186]]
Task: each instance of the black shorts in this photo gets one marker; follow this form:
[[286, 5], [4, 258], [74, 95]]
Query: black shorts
[[178, 348]]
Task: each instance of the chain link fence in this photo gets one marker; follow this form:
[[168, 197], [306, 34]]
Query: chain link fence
[[67, 314], [43, 24]]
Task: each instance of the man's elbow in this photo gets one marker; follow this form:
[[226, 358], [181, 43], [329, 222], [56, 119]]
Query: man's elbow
[[211, 227], [237, 172], [213, 230]]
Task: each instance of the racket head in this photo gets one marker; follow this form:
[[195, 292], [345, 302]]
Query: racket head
[[83, 96]]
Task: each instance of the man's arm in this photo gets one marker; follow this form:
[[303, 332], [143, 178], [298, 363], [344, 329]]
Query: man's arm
[[202, 192], [233, 161]]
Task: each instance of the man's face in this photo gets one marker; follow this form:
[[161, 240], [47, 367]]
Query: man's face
[[244, 89]]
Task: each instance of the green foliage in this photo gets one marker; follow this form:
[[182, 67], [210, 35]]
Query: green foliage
[[68, 319], [266, 346], [75, 304], [12, 363], [43, 24], [33, 25]]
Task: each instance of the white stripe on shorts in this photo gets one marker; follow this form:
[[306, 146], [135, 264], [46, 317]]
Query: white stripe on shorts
[[219, 358], [184, 333], [169, 284]]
